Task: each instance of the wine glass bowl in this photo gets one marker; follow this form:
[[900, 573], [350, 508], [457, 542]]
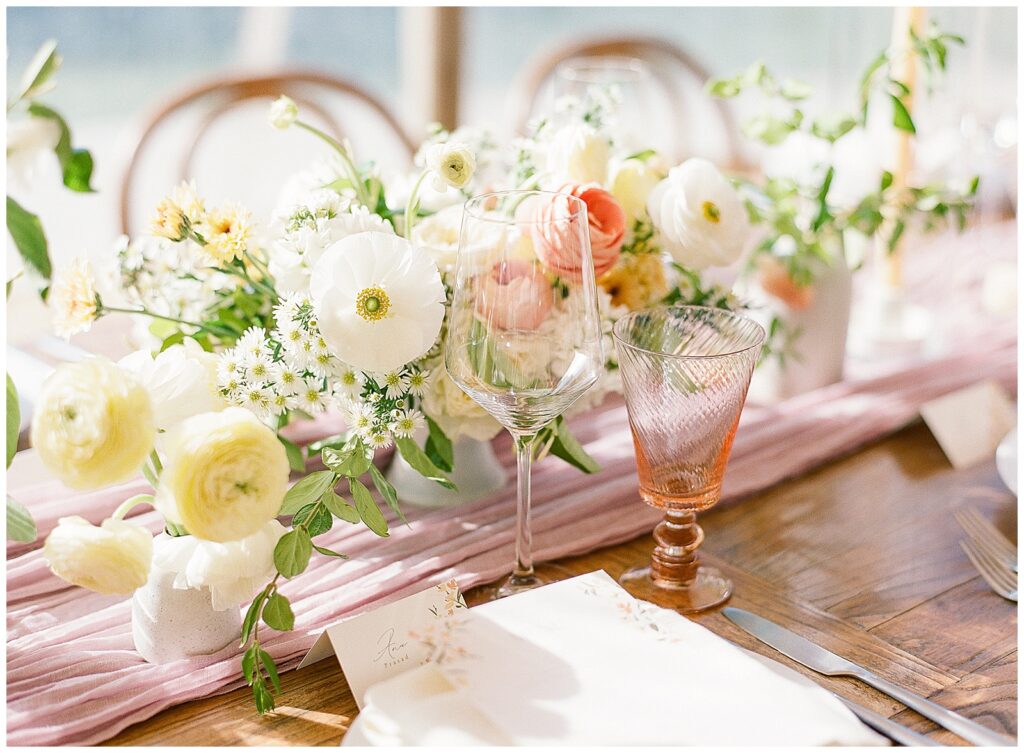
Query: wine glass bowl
[[524, 334], [685, 374]]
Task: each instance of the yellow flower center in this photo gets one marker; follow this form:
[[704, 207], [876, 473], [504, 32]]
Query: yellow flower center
[[711, 212], [372, 304]]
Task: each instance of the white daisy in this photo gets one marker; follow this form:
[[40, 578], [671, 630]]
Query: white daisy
[[252, 345], [260, 368], [229, 366], [257, 399], [378, 300], [405, 422], [395, 385], [280, 403], [418, 381], [285, 379], [350, 382], [380, 438], [311, 398], [360, 417]]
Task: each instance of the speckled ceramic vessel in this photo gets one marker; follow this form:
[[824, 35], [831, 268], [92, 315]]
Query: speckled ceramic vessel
[[477, 473], [171, 623]]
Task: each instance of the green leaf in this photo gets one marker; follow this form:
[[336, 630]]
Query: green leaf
[[20, 526], [900, 117], [263, 697], [268, 664], [36, 78], [833, 127], [13, 420], [76, 164], [330, 552], [351, 462], [723, 87], [568, 448], [249, 664], [278, 613], [339, 508], [894, 237], [439, 447], [368, 510], [316, 518], [27, 232], [771, 130], [387, 491], [307, 490], [419, 461], [795, 90], [886, 180], [642, 156], [291, 555], [295, 460], [252, 614]]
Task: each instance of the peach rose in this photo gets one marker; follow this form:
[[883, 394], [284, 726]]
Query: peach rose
[[775, 280], [556, 242], [516, 295]]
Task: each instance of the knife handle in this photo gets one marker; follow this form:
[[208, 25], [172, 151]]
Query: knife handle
[[970, 731]]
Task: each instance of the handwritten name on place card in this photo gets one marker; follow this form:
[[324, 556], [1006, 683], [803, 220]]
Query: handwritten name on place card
[[375, 646]]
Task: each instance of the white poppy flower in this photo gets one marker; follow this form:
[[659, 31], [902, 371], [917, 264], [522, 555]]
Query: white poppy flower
[[379, 301], [699, 216]]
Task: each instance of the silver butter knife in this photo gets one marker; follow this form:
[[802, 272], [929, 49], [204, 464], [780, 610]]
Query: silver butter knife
[[815, 657]]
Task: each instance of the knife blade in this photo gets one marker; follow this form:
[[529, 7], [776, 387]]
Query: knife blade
[[813, 656]]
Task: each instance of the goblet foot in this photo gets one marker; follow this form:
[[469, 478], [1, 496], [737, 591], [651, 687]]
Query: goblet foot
[[708, 589], [516, 584]]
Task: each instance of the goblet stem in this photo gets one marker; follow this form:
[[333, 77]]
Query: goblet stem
[[674, 562], [522, 572]]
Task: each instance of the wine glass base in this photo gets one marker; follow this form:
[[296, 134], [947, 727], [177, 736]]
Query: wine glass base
[[514, 584], [709, 589]]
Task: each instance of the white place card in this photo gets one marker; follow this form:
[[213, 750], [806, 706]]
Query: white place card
[[384, 642], [970, 423]]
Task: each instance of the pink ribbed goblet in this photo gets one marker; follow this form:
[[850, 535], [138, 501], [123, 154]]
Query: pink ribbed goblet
[[685, 373]]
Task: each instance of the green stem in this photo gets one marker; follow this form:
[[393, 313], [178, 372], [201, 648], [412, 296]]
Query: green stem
[[410, 205], [104, 309], [350, 168], [128, 504]]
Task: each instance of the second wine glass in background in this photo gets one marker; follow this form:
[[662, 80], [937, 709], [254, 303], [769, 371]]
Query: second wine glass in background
[[524, 338]]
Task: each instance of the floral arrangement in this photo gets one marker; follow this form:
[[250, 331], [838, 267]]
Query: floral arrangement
[[338, 302], [803, 214]]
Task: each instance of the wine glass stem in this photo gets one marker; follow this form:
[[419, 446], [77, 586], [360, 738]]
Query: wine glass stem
[[523, 568]]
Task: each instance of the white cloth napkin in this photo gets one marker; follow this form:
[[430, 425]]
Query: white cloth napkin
[[581, 662]]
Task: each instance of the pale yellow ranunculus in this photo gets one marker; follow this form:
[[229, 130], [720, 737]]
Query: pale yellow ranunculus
[[578, 154], [112, 558], [93, 425], [225, 475], [632, 182]]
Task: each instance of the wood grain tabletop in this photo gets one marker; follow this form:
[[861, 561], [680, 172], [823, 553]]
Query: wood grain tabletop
[[860, 556]]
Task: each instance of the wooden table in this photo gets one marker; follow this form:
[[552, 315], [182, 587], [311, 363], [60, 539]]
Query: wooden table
[[860, 556]]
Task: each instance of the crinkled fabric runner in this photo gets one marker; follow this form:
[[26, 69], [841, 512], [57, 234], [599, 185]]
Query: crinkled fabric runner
[[74, 678]]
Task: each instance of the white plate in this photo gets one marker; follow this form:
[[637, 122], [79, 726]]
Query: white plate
[[1006, 460]]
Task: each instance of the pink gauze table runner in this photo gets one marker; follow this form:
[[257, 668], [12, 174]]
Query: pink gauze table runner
[[74, 678]]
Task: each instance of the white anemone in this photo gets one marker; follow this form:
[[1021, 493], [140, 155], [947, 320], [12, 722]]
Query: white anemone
[[378, 299]]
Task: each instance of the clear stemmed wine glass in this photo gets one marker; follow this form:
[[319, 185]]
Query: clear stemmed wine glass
[[685, 374], [524, 334]]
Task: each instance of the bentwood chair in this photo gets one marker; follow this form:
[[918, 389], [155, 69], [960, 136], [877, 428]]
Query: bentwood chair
[[697, 123], [217, 132]]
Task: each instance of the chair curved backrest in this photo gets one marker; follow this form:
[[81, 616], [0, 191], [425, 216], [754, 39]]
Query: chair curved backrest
[[670, 66], [225, 95]]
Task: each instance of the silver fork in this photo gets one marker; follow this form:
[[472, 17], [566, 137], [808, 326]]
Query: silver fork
[[1002, 581], [987, 536]]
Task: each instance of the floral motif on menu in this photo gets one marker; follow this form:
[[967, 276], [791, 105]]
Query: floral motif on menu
[[644, 615]]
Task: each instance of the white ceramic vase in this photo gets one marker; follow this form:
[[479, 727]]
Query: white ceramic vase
[[476, 472], [171, 623], [817, 353]]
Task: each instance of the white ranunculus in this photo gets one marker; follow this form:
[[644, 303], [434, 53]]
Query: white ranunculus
[[699, 216], [234, 571], [439, 235], [181, 381], [452, 164], [456, 412], [398, 187], [632, 182], [112, 558], [225, 475], [28, 141], [379, 301], [283, 112], [579, 154], [93, 425]]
